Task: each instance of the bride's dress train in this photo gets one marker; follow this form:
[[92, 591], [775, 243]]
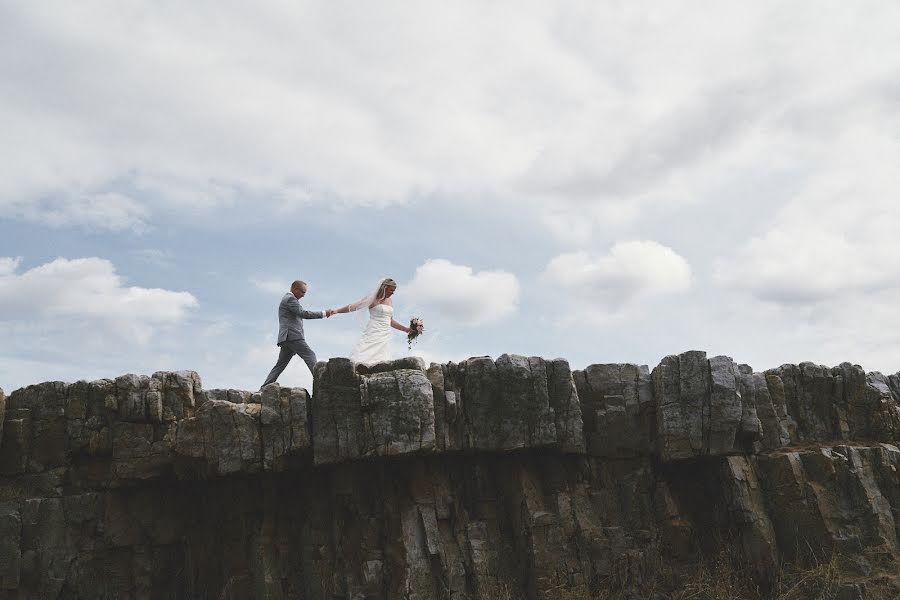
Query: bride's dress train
[[374, 345]]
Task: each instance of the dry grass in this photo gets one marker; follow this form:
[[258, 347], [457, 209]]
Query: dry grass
[[825, 580], [718, 579]]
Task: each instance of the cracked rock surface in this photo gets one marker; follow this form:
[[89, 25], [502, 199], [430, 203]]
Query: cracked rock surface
[[446, 481]]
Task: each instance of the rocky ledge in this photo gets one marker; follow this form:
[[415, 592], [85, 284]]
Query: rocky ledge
[[448, 481]]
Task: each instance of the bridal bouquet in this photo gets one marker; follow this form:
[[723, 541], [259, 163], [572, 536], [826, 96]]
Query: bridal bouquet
[[415, 329]]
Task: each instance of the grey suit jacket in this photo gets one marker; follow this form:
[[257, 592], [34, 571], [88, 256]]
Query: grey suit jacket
[[290, 318]]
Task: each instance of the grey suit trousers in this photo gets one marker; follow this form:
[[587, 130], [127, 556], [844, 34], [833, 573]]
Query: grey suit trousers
[[288, 350]]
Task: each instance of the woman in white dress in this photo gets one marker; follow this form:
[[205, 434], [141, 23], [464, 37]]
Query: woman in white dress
[[374, 345]]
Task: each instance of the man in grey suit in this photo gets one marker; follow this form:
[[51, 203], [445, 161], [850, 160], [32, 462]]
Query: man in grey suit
[[290, 331]]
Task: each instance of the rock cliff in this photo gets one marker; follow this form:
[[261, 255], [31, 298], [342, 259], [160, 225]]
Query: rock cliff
[[451, 481]]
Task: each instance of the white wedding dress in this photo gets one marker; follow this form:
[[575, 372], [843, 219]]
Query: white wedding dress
[[374, 345]]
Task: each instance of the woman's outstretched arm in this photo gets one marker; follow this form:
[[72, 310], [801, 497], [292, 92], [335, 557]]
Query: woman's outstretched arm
[[351, 307]]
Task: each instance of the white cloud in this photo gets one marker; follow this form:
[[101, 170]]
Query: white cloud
[[66, 295], [271, 285], [8, 265], [603, 110], [835, 237], [762, 134], [458, 293], [106, 210], [631, 270], [826, 267]]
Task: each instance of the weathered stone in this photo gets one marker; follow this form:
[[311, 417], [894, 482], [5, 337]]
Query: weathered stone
[[511, 404], [618, 410], [852, 409], [397, 413], [706, 407], [132, 440], [746, 515], [367, 411], [519, 412], [725, 407], [131, 393], [336, 412], [177, 394], [480, 395], [224, 437], [39, 440], [681, 389], [444, 420], [2, 413], [81, 508], [44, 536], [48, 446], [675, 528], [451, 430], [566, 407], [809, 393], [832, 498], [879, 416], [90, 408], [103, 574], [459, 480], [10, 548], [797, 521], [46, 401], [236, 396], [284, 426], [768, 392], [412, 363], [15, 447], [835, 404], [136, 453], [750, 431]]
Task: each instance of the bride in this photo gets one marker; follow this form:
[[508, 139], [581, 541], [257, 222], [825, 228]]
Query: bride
[[373, 346]]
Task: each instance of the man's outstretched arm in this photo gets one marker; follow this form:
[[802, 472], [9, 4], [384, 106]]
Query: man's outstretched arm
[[294, 306]]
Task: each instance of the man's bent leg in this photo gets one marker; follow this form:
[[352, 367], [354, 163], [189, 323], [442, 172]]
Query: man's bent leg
[[284, 357], [302, 349]]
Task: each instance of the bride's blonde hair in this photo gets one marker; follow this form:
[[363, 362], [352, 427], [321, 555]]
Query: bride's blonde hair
[[381, 293]]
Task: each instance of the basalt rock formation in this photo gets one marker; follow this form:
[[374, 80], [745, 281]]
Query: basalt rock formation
[[453, 481]]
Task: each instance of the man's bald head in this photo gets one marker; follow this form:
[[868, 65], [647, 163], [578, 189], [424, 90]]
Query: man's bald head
[[298, 288]]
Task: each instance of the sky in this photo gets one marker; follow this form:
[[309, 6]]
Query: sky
[[605, 182]]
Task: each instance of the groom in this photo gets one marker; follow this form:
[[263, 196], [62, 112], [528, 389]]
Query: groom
[[290, 331]]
